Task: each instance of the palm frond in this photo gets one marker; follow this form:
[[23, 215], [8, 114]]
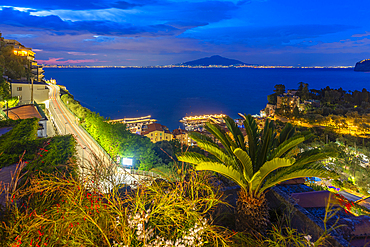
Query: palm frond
[[308, 159], [198, 137], [270, 166], [278, 178], [264, 146], [286, 146], [287, 132], [226, 171], [251, 128], [246, 163], [220, 135], [235, 131]]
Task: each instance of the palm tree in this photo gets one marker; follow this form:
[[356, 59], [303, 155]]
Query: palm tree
[[256, 163]]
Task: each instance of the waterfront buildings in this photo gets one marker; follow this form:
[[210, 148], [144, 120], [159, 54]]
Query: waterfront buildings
[[135, 125], [183, 137], [157, 132], [196, 123]]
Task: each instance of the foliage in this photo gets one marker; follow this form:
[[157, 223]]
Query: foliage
[[251, 165], [114, 138], [54, 154], [11, 65], [267, 160], [61, 212], [9, 123], [45, 154]]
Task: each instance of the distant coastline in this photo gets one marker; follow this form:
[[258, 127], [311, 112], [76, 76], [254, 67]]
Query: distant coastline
[[196, 67]]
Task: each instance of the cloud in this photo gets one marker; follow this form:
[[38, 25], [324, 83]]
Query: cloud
[[125, 5], [76, 53], [267, 36], [59, 61], [361, 34], [55, 24]]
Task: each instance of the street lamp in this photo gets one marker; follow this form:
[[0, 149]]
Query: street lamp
[[65, 128]]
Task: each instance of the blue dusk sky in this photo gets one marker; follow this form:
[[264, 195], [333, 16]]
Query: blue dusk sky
[[162, 32]]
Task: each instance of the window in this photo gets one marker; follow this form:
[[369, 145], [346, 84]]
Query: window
[[19, 88]]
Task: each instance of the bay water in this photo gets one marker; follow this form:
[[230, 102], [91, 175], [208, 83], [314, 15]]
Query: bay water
[[168, 94]]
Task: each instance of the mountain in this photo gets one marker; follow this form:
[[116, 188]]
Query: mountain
[[363, 65], [214, 60]]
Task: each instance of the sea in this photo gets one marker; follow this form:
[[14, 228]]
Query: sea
[[169, 94]]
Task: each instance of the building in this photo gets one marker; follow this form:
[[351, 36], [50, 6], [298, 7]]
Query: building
[[29, 111], [135, 125], [157, 132], [287, 101], [23, 90], [20, 50], [269, 110], [183, 137], [196, 123]]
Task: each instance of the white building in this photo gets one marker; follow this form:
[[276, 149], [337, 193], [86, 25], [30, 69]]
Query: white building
[[23, 90]]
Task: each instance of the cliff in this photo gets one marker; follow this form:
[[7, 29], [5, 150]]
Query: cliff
[[363, 65]]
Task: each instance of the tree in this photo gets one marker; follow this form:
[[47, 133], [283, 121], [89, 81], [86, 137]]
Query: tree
[[279, 89], [13, 66], [272, 99], [296, 112], [305, 92], [265, 161]]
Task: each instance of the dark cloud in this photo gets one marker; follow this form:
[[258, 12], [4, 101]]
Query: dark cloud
[[16, 18], [59, 4], [265, 36], [207, 11], [125, 5], [77, 5]]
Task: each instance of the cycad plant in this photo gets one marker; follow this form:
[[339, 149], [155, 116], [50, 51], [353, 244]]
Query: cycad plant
[[256, 162]]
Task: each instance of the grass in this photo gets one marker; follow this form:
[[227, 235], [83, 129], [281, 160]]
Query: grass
[[62, 210]]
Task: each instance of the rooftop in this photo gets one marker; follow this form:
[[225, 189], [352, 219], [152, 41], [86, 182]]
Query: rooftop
[[155, 127], [23, 112], [27, 82]]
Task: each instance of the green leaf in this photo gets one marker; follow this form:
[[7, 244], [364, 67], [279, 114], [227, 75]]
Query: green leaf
[[297, 174], [286, 146], [246, 162]]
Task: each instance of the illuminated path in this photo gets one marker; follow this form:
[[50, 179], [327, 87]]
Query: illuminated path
[[66, 123]]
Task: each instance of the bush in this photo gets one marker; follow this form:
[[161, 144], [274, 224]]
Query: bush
[[63, 212]]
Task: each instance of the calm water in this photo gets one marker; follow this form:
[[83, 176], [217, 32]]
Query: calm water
[[170, 94]]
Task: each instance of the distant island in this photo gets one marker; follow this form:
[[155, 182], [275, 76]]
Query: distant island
[[214, 60], [363, 65]]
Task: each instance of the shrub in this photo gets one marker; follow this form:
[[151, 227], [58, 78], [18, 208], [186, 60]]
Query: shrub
[[64, 212]]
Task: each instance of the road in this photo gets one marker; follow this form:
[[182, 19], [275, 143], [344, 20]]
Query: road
[[66, 123], [87, 149]]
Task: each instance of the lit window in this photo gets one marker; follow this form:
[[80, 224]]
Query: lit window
[[19, 88]]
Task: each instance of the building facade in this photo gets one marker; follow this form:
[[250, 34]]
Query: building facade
[[27, 53], [23, 90], [157, 132]]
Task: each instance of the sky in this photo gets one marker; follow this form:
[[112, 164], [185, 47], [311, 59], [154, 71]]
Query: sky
[[163, 32]]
